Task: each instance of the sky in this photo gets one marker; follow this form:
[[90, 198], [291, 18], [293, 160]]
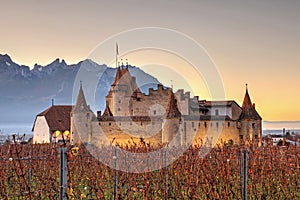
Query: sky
[[255, 42]]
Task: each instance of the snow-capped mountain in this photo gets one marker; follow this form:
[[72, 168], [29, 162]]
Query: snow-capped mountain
[[25, 92]]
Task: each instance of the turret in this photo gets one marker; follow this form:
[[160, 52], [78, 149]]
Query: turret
[[81, 119], [251, 126]]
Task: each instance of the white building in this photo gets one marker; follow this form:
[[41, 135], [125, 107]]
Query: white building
[[52, 125]]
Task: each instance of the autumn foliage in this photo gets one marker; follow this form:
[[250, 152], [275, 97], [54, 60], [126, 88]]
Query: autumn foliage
[[32, 172]]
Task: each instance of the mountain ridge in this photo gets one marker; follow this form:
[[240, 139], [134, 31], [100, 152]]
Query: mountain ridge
[[26, 92]]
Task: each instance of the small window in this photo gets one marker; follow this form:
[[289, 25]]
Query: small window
[[119, 101], [109, 124], [205, 124], [217, 124], [211, 124], [193, 124], [130, 123], [256, 136], [253, 125], [217, 112], [199, 124], [119, 109], [154, 112], [120, 124], [228, 124], [241, 137]]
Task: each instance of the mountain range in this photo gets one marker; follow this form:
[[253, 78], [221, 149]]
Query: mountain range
[[26, 92]]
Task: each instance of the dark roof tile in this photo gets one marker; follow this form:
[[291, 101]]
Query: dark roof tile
[[58, 117]]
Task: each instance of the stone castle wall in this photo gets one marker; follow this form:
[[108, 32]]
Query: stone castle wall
[[125, 132], [196, 132]]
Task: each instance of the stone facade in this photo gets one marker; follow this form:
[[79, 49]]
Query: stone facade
[[162, 116]]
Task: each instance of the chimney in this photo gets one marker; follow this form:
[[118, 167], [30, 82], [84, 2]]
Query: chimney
[[52, 102], [159, 87], [98, 114], [133, 81]]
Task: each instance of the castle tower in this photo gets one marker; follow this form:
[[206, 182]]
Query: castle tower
[[251, 126], [81, 118], [171, 124], [122, 90]]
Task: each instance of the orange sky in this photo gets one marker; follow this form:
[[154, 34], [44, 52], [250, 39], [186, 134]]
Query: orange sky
[[255, 42]]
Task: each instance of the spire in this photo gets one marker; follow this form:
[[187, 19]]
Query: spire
[[248, 109], [247, 100], [173, 111], [81, 102]]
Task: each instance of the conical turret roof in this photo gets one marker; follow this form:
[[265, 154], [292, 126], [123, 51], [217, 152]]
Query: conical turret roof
[[248, 109], [81, 104], [247, 100]]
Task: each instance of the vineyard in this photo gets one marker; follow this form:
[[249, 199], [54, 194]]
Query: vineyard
[[33, 172]]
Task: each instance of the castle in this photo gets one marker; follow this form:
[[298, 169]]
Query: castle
[[162, 116]]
